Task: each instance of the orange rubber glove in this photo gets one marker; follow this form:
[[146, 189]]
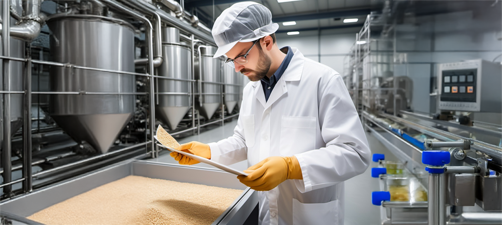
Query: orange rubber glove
[[270, 172], [194, 147]]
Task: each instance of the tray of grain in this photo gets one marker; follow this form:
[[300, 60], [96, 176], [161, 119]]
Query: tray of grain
[[140, 192]]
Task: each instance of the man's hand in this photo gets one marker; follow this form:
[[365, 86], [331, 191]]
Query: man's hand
[[194, 147], [270, 172]]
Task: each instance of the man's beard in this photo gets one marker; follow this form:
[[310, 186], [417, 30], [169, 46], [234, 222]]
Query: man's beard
[[262, 69]]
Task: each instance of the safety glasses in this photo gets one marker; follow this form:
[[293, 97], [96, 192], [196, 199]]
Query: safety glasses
[[242, 59]]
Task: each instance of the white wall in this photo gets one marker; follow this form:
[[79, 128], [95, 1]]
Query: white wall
[[330, 48]]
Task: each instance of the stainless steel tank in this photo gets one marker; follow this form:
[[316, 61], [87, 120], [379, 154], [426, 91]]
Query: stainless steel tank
[[98, 114], [16, 77], [210, 70], [232, 87], [174, 101]]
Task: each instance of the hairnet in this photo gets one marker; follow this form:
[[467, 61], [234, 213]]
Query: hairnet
[[242, 22]]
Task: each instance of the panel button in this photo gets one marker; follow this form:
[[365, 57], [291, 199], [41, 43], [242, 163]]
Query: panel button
[[454, 79], [454, 89], [470, 89], [447, 79], [447, 89], [470, 78], [462, 89], [461, 78]]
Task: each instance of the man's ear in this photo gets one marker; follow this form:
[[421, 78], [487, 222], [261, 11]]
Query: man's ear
[[267, 42]]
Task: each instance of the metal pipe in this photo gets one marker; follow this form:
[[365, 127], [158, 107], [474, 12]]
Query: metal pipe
[[5, 185], [97, 7], [442, 199], [388, 204], [232, 116], [30, 28], [204, 28], [192, 87], [180, 24], [89, 159], [433, 199], [390, 222], [85, 93], [461, 169], [157, 61], [173, 93], [14, 14], [40, 161], [464, 144], [176, 79], [184, 131], [12, 92], [173, 6], [207, 124], [73, 66], [6, 146], [27, 183]]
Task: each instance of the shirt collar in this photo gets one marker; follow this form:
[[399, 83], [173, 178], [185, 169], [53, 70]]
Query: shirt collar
[[284, 65]]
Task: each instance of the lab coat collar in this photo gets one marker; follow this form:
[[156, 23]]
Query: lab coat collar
[[294, 70], [292, 73], [295, 67]]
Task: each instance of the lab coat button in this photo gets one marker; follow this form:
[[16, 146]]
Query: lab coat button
[[273, 214]]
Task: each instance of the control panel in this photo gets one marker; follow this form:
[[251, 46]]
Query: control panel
[[472, 85]]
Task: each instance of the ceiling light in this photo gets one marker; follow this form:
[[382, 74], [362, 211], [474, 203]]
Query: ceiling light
[[282, 1], [290, 23], [360, 42], [294, 33], [351, 20]]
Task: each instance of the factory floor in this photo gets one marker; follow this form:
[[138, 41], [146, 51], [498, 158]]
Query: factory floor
[[358, 207]]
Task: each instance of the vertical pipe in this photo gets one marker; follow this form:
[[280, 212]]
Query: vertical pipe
[[192, 91], [442, 199], [222, 86], [433, 199], [152, 92], [199, 91], [6, 146], [356, 65], [27, 187], [395, 85]]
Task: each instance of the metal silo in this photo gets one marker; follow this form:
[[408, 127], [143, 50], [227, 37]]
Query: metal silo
[[210, 73], [232, 88], [174, 98], [104, 104], [15, 77]]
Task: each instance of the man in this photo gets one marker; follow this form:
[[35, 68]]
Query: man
[[297, 127]]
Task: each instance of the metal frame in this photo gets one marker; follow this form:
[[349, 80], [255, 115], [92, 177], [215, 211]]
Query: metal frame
[[28, 93], [237, 213]]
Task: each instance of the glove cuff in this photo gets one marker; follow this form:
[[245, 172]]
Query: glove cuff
[[294, 169], [206, 152]]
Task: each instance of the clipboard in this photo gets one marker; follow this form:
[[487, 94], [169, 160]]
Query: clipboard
[[198, 158]]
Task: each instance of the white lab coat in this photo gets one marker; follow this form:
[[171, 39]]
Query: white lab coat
[[310, 115]]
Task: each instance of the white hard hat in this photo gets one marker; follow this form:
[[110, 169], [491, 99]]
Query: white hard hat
[[242, 22]]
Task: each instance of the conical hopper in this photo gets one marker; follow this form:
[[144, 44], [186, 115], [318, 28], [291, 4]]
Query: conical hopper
[[99, 130], [230, 105], [207, 110], [172, 115]]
